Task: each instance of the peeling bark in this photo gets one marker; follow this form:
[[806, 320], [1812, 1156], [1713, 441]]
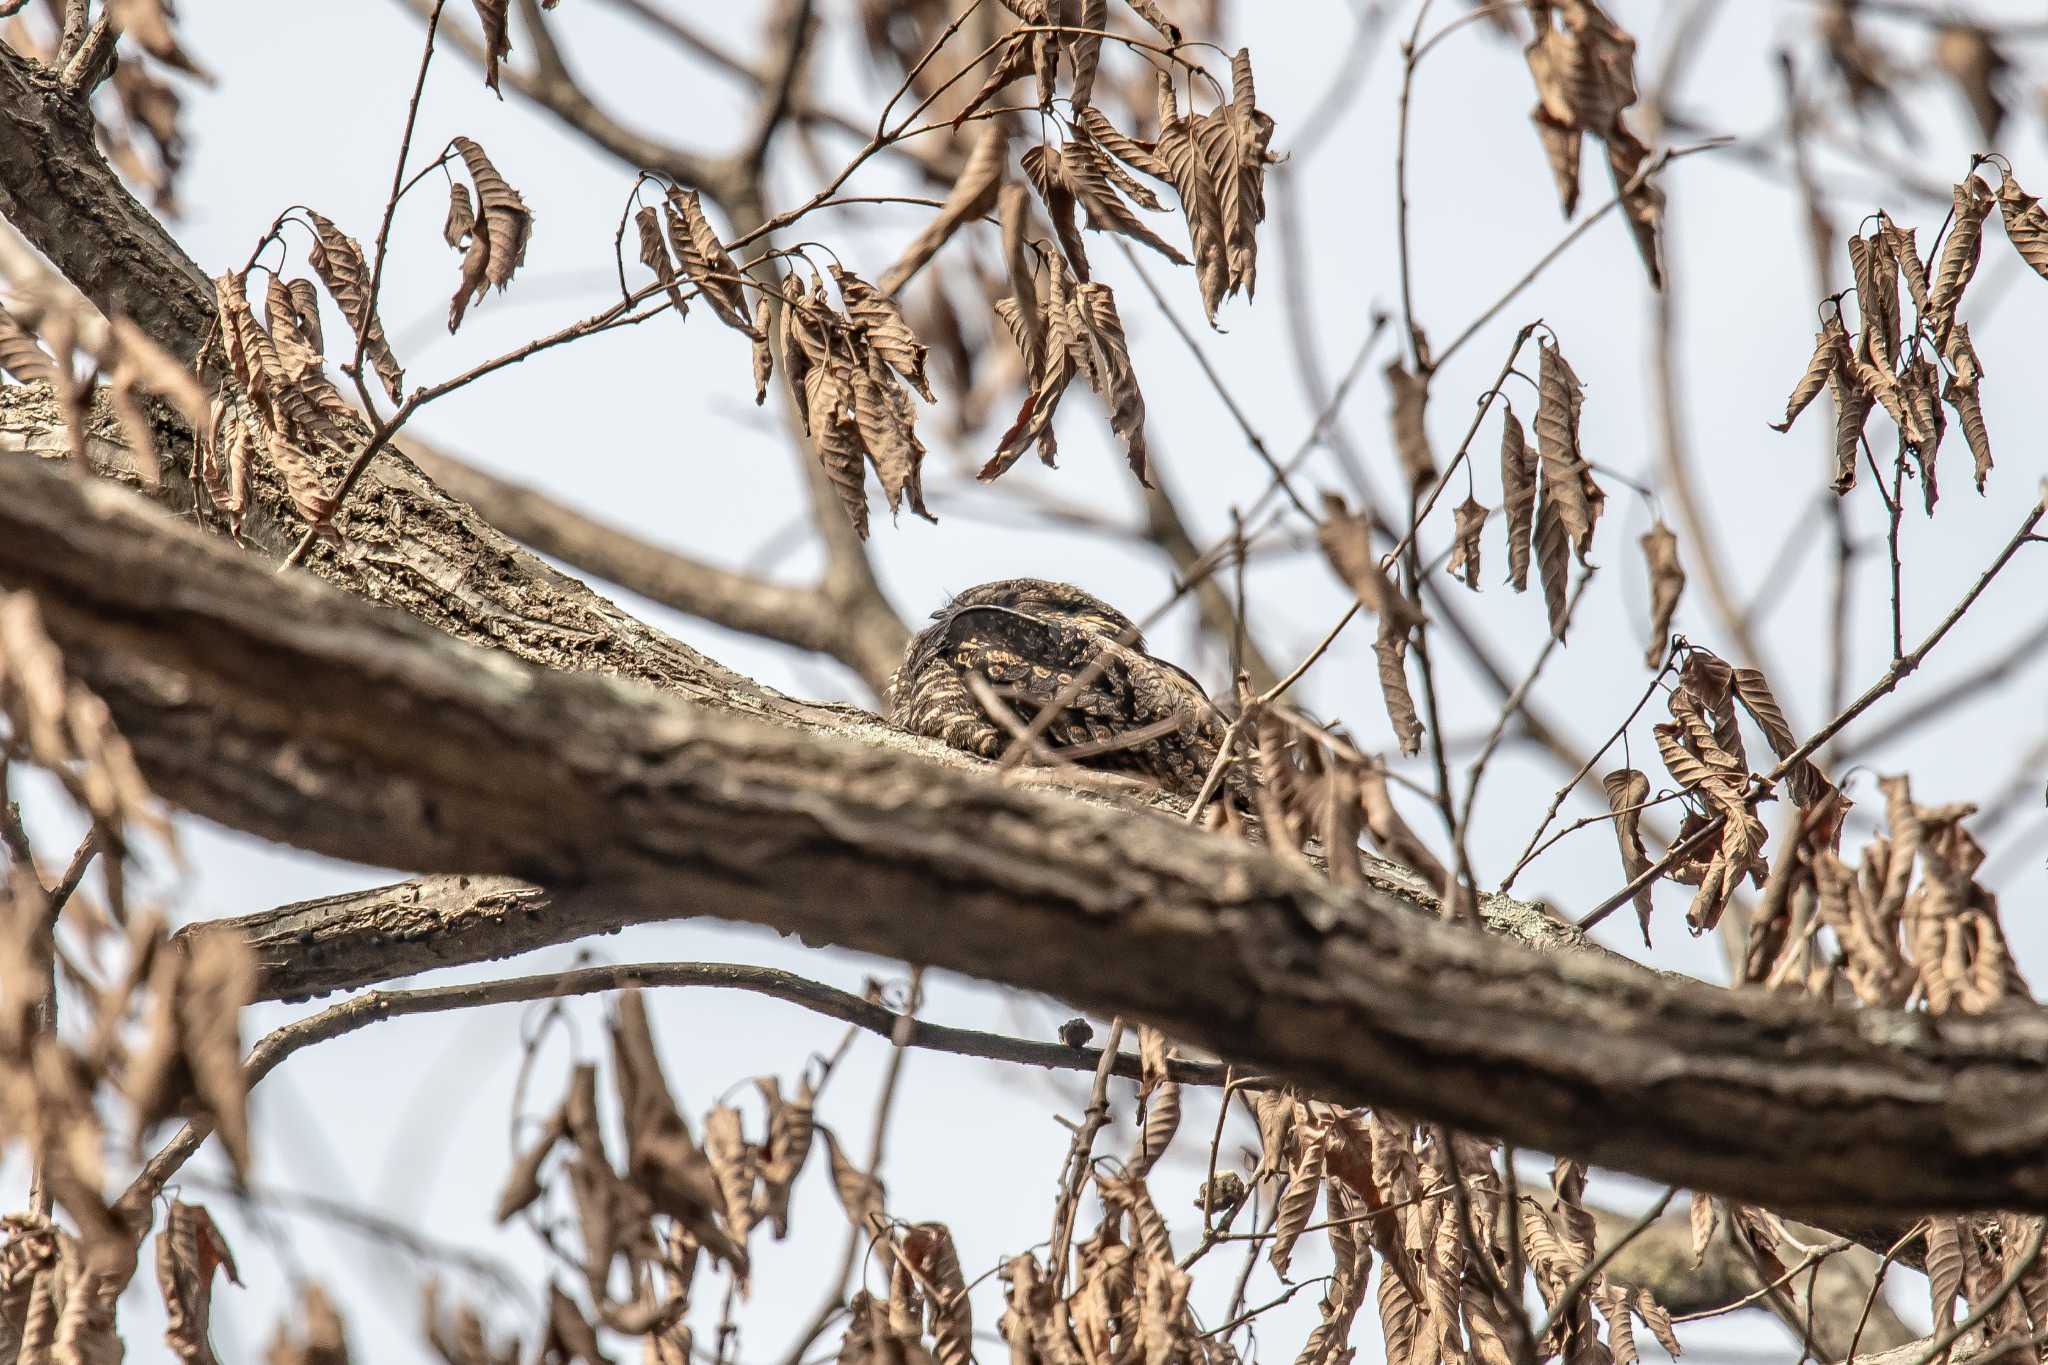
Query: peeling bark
[[282, 708]]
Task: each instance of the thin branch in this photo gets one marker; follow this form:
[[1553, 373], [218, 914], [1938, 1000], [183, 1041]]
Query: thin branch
[[373, 1006], [797, 32], [1810, 1261], [412, 117], [1076, 1172], [1651, 166]]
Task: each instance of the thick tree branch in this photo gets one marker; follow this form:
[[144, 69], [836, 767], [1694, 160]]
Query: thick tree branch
[[59, 192], [409, 543], [806, 617], [281, 708]]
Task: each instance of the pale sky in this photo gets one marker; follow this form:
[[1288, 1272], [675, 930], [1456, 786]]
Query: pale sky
[[653, 429]]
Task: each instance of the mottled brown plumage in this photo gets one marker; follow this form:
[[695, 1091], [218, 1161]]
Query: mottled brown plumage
[[1028, 639]]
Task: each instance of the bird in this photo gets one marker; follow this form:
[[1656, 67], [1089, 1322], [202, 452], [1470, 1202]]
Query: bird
[[999, 654]]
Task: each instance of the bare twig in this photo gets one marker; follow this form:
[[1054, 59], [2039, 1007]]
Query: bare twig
[[1076, 1173], [376, 1005]]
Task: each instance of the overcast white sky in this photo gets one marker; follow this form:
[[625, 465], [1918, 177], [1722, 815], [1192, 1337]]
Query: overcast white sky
[[651, 428]]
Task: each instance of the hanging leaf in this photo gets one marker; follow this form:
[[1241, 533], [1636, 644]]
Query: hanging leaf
[[1411, 431], [1830, 350], [2026, 224], [1567, 478], [1518, 495], [881, 322], [1471, 521], [338, 261], [1391, 649], [461, 219], [1346, 538], [705, 260], [1667, 581], [1627, 790], [972, 195], [497, 41], [1960, 392], [1852, 411], [1972, 201], [506, 219], [654, 255]]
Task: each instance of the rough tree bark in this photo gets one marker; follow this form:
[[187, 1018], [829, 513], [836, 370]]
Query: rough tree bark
[[283, 708]]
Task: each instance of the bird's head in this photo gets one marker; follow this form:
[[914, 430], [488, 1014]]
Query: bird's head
[[1047, 599]]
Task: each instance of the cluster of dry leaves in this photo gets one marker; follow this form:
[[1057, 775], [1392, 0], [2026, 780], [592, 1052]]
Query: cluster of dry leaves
[[1899, 369], [842, 368], [271, 395], [161, 1035], [1701, 747], [1552, 505], [1584, 65]]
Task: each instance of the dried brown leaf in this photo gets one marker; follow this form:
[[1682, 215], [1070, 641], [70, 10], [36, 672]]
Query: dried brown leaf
[[497, 39], [1189, 171], [21, 356], [301, 480], [882, 417], [1972, 201], [1084, 52], [1945, 1264], [828, 398], [320, 1338], [665, 1167], [1298, 1200], [1391, 835], [1411, 432], [1518, 496], [1920, 390], [188, 1252], [1667, 581], [506, 219], [881, 322], [1705, 1218], [1627, 790], [1139, 156], [972, 195], [461, 219], [2026, 224], [1391, 649], [1877, 299], [860, 1194], [653, 254], [764, 353], [1346, 538], [705, 260], [338, 260], [1104, 359], [1561, 144], [792, 1124], [1553, 561], [1905, 252], [1830, 351], [1960, 392], [1567, 478], [1471, 521], [1093, 179], [1642, 202], [1852, 411]]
